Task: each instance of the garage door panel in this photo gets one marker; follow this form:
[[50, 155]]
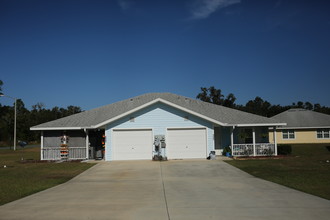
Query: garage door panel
[[186, 143], [132, 144]]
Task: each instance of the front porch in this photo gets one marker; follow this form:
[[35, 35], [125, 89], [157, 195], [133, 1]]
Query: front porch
[[245, 141], [252, 141], [72, 144]]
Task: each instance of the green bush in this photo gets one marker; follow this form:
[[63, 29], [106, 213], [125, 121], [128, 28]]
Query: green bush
[[225, 150], [284, 149]]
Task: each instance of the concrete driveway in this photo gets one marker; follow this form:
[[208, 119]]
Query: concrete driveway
[[193, 189]]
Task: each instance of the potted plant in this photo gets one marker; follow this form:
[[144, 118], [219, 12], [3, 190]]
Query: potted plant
[[226, 151]]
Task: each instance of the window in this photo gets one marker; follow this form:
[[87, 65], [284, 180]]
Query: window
[[288, 134], [323, 133]]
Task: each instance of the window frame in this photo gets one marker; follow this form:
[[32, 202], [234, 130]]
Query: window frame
[[323, 133], [288, 134]]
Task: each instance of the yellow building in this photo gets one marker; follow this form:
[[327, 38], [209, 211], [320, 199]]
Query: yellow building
[[303, 127]]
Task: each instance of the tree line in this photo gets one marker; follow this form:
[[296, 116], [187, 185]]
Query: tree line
[[39, 114], [257, 106], [28, 118]]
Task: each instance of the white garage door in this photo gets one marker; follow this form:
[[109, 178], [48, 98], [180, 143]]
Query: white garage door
[[186, 143], [132, 144]]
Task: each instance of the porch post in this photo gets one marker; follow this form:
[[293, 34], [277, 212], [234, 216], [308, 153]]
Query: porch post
[[232, 138], [254, 141], [42, 145], [87, 144], [275, 141]]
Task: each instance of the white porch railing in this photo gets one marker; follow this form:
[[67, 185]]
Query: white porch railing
[[54, 153], [76, 153], [261, 149], [51, 153]]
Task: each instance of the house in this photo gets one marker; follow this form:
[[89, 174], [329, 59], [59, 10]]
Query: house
[[165, 124], [303, 127]]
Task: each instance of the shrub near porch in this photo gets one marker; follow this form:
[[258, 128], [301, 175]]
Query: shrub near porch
[[22, 179], [307, 169]]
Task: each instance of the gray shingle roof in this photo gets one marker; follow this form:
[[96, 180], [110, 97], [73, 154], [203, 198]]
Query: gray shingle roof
[[302, 118], [97, 116]]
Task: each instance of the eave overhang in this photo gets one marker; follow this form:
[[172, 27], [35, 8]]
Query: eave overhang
[[158, 100]]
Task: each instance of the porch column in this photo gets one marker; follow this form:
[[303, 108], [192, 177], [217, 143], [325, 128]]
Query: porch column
[[254, 141], [87, 144], [275, 141], [232, 138], [42, 145]]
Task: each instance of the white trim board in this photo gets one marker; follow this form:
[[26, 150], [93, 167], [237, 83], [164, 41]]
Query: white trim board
[[259, 125], [55, 128], [301, 128]]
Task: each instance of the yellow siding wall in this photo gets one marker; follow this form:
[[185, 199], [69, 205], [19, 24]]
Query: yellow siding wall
[[301, 137]]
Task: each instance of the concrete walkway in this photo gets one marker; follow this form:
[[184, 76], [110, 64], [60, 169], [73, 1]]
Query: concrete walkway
[[195, 189]]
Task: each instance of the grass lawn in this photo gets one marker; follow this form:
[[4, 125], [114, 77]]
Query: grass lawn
[[306, 169], [19, 179]]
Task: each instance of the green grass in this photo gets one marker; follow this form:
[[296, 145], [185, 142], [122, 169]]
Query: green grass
[[22, 179], [306, 169]]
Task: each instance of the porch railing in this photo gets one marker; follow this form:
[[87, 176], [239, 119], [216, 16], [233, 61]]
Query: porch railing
[[51, 153], [54, 153], [261, 149], [76, 153]]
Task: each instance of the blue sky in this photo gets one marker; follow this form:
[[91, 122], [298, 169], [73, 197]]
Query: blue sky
[[91, 53]]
